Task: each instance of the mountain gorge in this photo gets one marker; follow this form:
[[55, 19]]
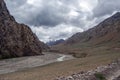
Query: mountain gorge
[[16, 39]]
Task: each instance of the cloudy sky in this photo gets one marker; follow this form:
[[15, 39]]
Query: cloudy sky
[[56, 19]]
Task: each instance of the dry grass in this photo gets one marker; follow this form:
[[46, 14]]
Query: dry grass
[[50, 71], [97, 55]]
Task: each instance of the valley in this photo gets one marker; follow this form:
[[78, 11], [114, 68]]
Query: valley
[[64, 68], [23, 63], [69, 54]]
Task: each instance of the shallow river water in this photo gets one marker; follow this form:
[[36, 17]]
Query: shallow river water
[[17, 64]]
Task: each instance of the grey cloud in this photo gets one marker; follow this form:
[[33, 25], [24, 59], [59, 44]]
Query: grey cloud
[[48, 13], [47, 16], [14, 3], [106, 7], [52, 14]]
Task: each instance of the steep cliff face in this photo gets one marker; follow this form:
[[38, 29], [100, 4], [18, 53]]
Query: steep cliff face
[[16, 39]]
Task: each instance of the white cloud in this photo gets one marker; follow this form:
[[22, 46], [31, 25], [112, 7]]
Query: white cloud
[[87, 5], [55, 19], [61, 31]]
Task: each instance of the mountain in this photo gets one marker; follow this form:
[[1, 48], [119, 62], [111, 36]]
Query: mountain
[[105, 35], [51, 43], [16, 39], [104, 29], [44, 46]]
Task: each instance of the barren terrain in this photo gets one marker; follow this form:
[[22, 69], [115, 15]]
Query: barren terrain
[[17, 64], [56, 69]]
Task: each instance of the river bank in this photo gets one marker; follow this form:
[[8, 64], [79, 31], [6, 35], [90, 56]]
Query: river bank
[[62, 68], [17, 64]]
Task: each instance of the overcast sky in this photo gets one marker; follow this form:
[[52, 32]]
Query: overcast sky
[[56, 19]]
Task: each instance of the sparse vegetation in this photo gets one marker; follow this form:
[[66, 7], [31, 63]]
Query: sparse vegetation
[[80, 55], [51, 71], [100, 76], [92, 48]]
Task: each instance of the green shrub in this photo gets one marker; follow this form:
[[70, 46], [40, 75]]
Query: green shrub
[[100, 76], [80, 55]]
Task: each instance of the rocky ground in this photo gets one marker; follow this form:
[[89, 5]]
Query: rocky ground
[[109, 72], [17, 64]]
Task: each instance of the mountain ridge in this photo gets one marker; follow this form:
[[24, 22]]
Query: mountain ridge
[[105, 33], [100, 27]]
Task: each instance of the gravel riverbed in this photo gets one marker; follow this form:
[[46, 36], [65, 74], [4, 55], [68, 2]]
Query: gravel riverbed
[[17, 64]]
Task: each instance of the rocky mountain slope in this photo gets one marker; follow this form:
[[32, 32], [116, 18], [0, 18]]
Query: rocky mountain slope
[[109, 28], [16, 39], [109, 72], [104, 34], [44, 46]]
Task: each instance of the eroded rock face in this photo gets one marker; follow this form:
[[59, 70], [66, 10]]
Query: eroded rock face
[[16, 39]]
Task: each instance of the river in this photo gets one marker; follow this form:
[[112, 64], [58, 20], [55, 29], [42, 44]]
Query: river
[[17, 64]]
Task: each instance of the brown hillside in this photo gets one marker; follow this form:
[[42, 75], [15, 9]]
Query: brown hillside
[[105, 35]]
